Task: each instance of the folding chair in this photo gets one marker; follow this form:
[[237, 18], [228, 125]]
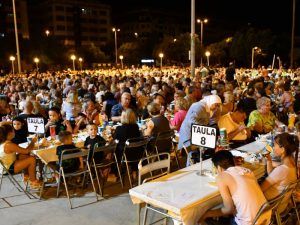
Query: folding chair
[[167, 136], [73, 154], [109, 149], [159, 168], [5, 172], [134, 150]]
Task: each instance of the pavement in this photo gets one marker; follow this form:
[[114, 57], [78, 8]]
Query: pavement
[[115, 208]]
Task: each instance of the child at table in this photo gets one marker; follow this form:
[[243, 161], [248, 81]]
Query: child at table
[[69, 165], [55, 119], [21, 131]]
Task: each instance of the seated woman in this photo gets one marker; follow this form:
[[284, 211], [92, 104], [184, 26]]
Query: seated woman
[[262, 120], [15, 158], [21, 131], [128, 129], [181, 107], [157, 124], [285, 146]]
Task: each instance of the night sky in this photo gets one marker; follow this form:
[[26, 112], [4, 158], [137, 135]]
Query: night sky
[[276, 15]]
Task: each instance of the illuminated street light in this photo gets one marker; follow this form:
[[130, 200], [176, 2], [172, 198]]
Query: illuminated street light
[[116, 46], [207, 54], [252, 57], [73, 57], [201, 21], [16, 36], [136, 34], [80, 63], [161, 55], [121, 58], [47, 32], [174, 40], [12, 59], [36, 60]]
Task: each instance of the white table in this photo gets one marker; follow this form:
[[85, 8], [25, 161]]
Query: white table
[[185, 193]]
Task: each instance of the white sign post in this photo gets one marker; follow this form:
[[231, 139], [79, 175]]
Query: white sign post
[[203, 136], [36, 125]]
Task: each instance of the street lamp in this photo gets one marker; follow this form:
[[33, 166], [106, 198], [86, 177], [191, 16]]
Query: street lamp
[[36, 60], [12, 59], [121, 58], [207, 53], [161, 55], [201, 36], [80, 63], [73, 57], [136, 34], [16, 36], [116, 46], [47, 32], [252, 57]]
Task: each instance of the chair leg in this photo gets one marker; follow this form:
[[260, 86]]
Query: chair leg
[[278, 219], [67, 190], [177, 161], [89, 169], [296, 210], [145, 215], [129, 176], [1, 179], [58, 185], [119, 173], [139, 213], [98, 180]]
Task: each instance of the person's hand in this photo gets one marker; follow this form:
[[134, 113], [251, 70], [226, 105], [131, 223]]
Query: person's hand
[[241, 127], [34, 139], [67, 123], [49, 123], [268, 157]]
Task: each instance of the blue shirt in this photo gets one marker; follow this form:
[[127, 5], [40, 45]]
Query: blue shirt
[[116, 110]]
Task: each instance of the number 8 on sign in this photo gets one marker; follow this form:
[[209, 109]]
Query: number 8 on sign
[[203, 136]]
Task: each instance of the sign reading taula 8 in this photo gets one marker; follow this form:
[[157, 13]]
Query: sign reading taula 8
[[204, 136]]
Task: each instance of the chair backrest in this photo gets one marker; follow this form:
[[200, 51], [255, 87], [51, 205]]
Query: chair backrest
[[136, 142], [111, 148], [268, 207], [150, 166], [165, 135], [72, 154]]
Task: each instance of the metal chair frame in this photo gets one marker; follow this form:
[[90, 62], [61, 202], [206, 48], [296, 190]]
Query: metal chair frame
[[11, 178], [106, 150], [140, 142]]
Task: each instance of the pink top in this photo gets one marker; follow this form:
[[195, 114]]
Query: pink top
[[178, 119]]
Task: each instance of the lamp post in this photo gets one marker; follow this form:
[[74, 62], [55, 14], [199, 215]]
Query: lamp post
[[12, 59], [161, 55], [252, 56], [201, 36], [80, 63], [36, 60], [116, 45], [207, 53], [73, 57], [279, 62], [192, 54], [121, 58], [136, 34], [16, 35], [47, 32]]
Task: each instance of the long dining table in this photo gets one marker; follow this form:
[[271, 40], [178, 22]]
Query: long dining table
[[186, 194]]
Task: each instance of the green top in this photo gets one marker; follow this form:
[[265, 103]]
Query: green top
[[267, 122]]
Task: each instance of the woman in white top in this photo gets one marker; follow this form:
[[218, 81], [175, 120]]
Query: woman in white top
[[285, 147], [14, 162]]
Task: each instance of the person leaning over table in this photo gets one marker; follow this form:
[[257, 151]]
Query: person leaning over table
[[262, 120], [286, 146], [240, 192], [17, 159], [233, 122]]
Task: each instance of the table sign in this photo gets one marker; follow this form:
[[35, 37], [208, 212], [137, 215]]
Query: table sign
[[36, 125], [204, 136]]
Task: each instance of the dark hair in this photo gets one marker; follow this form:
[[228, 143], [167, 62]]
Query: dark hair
[[241, 106], [5, 129], [223, 158], [290, 143], [63, 135], [18, 118], [55, 109], [286, 86]]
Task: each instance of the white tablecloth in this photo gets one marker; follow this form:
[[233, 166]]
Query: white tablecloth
[[184, 192]]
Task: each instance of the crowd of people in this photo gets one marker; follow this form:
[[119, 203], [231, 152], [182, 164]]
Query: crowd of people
[[247, 103]]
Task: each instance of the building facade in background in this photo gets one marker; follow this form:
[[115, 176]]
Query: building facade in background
[[7, 19], [74, 22]]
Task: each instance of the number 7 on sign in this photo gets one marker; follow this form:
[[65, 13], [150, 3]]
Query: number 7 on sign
[[36, 127]]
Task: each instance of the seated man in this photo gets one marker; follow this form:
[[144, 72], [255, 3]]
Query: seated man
[[116, 110], [233, 122], [240, 192]]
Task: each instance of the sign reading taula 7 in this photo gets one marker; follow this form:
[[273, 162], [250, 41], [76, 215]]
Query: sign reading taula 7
[[36, 125], [204, 136]]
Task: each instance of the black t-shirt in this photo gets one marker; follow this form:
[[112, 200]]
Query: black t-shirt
[[230, 71], [20, 136], [91, 143], [69, 165]]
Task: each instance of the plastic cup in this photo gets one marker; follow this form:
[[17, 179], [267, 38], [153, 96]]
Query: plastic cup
[[52, 131]]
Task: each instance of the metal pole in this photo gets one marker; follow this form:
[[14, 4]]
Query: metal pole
[[13, 67], [193, 37], [252, 59], [207, 60], [201, 42], [122, 63], [37, 66], [17, 38], [116, 47], [293, 35], [160, 63], [73, 64]]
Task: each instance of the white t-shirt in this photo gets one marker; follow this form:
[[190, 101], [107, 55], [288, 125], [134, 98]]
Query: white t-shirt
[[226, 122]]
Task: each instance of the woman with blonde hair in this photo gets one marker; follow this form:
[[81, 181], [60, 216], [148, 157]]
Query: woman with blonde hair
[[181, 107]]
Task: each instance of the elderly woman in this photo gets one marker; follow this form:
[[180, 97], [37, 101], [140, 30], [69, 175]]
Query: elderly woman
[[262, 120], [181, 107], [228, 105]]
